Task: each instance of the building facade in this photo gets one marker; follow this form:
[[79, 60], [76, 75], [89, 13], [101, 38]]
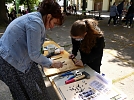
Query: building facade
[[102, 5]]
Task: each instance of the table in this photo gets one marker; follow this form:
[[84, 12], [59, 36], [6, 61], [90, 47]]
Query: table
[[69, 65], [56, 82], [94, 13], [65, 92], [86, 14]]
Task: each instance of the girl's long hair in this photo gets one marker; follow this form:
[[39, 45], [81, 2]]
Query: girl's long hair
[[93, 32]]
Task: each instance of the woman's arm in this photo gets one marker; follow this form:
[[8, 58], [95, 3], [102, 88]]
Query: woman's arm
[[34, 44], [75, 46]]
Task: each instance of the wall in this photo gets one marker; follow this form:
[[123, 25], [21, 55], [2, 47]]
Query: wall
[[105, 5], [90, 5]]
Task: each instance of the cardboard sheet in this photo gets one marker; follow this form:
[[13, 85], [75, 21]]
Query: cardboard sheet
[[68, 63], [90, 89]]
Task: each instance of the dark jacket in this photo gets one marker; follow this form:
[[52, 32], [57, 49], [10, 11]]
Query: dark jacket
[[130, 10], [92, 59], [120, 7]]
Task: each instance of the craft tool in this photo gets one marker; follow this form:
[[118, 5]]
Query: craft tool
[[71, 77], [57, 58], [67, 73], [84, 75], [63, 62], [52, 54], [73, 60]]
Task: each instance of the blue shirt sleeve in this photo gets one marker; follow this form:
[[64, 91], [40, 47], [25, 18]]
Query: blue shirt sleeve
[[34, 43]]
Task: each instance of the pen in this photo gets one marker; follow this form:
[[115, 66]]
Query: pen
[[57, 58], [73, 60], [67, 73], [71, 77], [63, 62]]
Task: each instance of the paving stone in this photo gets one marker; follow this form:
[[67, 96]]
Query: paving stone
[[117, 62]]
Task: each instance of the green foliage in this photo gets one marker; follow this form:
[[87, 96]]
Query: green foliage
[[29, 1], [24, 2], [11, 9], [31, 4]]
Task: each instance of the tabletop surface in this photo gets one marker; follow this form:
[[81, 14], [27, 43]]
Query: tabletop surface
[[63, 57], [73, 90], [66, 93]]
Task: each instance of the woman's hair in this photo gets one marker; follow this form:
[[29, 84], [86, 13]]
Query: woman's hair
[[90, 26], [51, 7]]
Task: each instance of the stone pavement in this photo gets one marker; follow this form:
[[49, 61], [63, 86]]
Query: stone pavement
[[118, 58]]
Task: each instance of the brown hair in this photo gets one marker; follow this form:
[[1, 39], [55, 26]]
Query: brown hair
[[51, 7], [90, 26]]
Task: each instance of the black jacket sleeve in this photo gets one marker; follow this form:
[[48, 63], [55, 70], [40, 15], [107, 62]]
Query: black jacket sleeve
[[75, 46]]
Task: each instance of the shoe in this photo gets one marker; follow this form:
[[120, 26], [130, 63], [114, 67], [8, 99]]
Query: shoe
[[129, 26], [108, 25], [125, 26], [115, 25]]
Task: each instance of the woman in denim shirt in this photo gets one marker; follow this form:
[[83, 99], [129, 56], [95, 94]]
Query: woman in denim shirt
[[20, 52]]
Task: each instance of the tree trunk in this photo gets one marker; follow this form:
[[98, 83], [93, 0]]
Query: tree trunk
[[3, 17], [29, 10], [84, 5], [132, 1], [64, 6]]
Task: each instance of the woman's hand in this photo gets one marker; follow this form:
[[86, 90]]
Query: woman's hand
[[71, 56], [57, 64], [78, 62]]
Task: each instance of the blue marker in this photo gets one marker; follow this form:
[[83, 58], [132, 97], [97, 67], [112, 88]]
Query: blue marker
[[67, 73], [71, 77]]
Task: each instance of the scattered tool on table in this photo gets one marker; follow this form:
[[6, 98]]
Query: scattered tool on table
[[57, 58], [52, 54], [84, 75], [73, 60], [66, 73]]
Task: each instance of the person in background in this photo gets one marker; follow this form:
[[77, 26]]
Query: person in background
[[7, 11], [13, 14], [126, 7], [120, 11], [113, 14], [20, 52], [88, 39], [129, 16], [75, 9], [23, 12]]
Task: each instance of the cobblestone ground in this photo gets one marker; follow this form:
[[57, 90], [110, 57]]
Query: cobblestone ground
[[118, 59]]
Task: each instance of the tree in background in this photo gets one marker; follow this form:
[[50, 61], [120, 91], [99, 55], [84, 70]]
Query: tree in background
[[30, 4], [3, 14]]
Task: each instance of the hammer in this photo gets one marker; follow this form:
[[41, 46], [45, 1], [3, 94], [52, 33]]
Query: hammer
[[84, 75]]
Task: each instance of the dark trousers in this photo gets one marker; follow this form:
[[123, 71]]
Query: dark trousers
[[119, 19], [129, 17], [114, 20]]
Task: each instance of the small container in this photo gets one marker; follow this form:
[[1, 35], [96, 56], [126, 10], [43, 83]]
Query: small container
[[51, 48], [57, 51], [61, 49]]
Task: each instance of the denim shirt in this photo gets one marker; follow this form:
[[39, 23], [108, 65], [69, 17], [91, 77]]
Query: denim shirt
[[21, 42]]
